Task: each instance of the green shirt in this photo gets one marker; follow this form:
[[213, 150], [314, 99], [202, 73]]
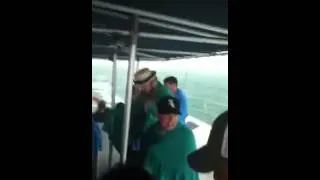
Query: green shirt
[[150, 113], [113, 125], [140, 119], [166, 153]]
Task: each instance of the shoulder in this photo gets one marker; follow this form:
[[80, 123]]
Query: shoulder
[[221, 121], [164, 90], [185, 132], [181, 93], [153, 128], [188, 132]]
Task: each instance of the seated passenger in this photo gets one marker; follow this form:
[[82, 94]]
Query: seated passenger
[[167, 143]]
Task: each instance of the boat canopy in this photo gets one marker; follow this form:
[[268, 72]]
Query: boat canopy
[[132, 32], [174, 31]]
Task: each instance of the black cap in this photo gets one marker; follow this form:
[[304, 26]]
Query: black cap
[[168, 105]]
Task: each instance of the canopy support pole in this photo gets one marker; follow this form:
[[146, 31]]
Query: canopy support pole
[[114, 78], [138, 63], [125, 129], [113, 102]]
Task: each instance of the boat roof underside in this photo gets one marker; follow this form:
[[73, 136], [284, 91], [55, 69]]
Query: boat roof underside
[[174, 31]]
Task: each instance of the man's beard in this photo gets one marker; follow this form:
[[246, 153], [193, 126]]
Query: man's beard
[[148, 94]]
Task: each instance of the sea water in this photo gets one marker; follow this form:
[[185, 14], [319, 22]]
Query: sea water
[[204, 81]]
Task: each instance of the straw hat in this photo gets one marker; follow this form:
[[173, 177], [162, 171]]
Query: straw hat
[[143, 76]]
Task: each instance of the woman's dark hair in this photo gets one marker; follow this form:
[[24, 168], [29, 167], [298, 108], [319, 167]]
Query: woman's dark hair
[[126, 173]]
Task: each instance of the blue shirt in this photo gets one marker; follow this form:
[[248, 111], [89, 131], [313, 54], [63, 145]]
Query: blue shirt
[[97, 138], [183, 105]]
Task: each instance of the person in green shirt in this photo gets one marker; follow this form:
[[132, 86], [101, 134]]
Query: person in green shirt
[[167, 143], [148, 91]]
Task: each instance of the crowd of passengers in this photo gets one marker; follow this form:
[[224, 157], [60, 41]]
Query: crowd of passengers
[[161, 144]]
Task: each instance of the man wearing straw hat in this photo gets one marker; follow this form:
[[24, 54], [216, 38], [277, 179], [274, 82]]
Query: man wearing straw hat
[[150, 91], [144, 110]]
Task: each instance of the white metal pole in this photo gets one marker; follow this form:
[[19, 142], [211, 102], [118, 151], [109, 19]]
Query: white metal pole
[[125, 129], [125, 58], [114, 79], [164, 36], [163, 51], [183, 38], [148, 55], [138, 63], [134, 63], [159, 17], [127, 50], [181, 29], [160, 51], [113, 104]]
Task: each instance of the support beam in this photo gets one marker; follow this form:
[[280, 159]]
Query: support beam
[[127, 50], [163, 36], [159, 51], [128, 99], [222, 53], [159, 24], [104, 46], [147, 55], [159, 17], [123, 58], [182, 38], [162, 51], [181, 29]]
